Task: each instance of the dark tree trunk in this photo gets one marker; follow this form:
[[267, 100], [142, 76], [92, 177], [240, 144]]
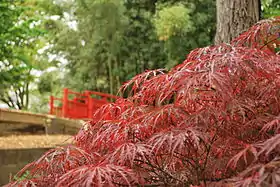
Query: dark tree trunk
[[234, 17]]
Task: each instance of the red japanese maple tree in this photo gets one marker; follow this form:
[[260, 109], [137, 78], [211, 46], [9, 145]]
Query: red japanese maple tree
[[213, 120]]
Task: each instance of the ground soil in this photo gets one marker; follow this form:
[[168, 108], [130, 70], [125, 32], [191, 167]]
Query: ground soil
[[33, 141]]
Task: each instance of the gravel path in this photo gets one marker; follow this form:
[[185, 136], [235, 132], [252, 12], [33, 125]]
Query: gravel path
[[33, 141]]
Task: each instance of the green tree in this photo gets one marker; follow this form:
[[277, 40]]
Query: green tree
[[19, 42], [107, 42], [184, 26], [106, 48], [49, 83], [270, 8]]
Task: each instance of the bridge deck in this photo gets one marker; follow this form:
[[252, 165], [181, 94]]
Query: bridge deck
[[52, 124]]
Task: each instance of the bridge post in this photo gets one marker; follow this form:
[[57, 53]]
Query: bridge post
[[65, 102], [89, 104], [51, 105]]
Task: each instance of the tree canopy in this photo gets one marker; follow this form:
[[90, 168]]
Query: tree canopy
[[19, 34], [108, 42]]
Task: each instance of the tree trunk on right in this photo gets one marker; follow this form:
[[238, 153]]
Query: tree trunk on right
[[234, 17]]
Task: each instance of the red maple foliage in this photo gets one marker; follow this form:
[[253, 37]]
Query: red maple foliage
[[213, 120]]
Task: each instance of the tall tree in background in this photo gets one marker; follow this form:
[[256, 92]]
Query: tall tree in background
[[234, 17]]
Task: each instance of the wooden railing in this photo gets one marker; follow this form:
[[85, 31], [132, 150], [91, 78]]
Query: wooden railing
[[81, 106]]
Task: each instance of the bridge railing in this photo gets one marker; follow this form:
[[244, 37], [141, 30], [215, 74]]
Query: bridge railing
[[77, 105], [55, 110]]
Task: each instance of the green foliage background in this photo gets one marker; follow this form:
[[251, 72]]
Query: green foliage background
[[19, 41], [116, 39]]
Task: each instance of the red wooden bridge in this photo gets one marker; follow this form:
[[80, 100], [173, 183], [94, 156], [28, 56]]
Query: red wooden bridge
[[76, 105]]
